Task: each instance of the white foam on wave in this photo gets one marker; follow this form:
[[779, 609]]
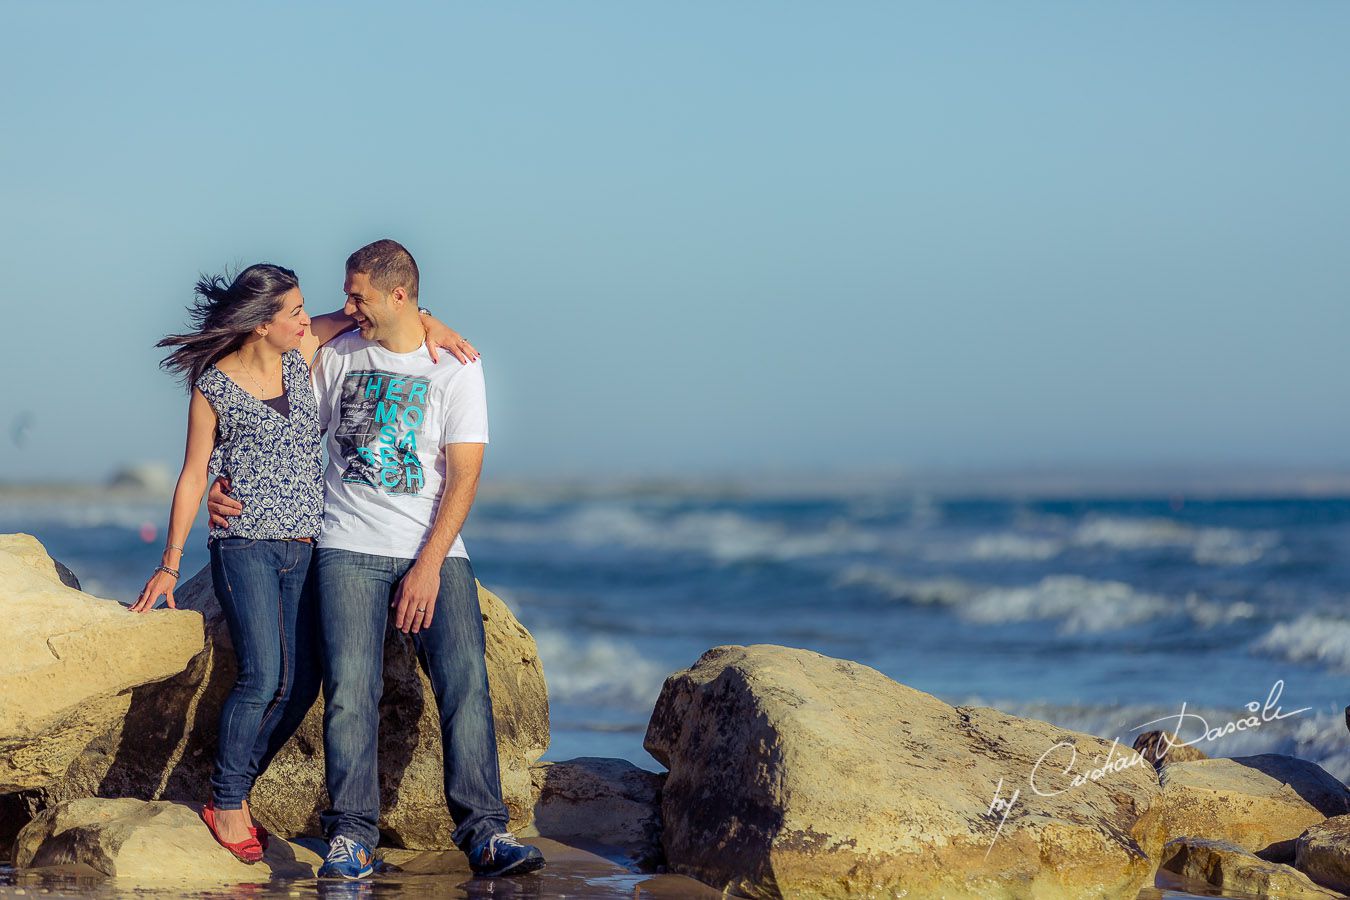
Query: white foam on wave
[[1014, 546], [1039, 538], [927, 591], [1080, 604], [1208, 546], [1208, 614], [724, 536], [1310, 638], [27, 515], [598, 671]]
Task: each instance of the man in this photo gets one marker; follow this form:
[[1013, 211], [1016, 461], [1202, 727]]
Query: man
[[405, 439]]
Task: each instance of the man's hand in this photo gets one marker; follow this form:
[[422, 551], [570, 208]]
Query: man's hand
[[221, 505], [415, 597]]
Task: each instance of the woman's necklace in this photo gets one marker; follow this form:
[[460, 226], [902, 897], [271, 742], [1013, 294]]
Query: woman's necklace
[[262, 393]]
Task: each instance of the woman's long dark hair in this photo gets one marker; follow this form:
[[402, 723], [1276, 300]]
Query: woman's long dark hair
[[224, 315]]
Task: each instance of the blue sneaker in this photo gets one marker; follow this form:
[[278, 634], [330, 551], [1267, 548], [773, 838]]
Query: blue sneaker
[[347, 858], [502, 854]]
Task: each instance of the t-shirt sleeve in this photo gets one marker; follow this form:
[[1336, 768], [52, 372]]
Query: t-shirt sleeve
[[324, 364], [466, 421]]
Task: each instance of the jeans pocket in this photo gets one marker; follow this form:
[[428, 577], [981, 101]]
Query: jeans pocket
[[232, 543]]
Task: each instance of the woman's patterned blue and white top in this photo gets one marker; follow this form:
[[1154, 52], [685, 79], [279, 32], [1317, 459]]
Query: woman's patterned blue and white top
[[274, 462]]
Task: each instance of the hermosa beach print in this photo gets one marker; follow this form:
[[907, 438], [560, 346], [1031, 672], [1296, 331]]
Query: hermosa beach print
[[377, 435]]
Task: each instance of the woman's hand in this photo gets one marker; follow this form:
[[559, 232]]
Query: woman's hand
[[159, 583], [440, 335]]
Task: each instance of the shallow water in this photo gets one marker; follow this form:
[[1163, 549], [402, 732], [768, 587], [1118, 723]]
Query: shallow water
[[570, 873], [579, 881]]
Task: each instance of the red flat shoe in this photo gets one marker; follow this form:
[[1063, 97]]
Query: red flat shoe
[[249, 850]]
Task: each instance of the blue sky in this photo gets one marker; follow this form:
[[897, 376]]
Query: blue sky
[[709, 237]]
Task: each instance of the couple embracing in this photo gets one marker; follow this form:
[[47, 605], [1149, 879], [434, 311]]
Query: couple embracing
[[309, 561]]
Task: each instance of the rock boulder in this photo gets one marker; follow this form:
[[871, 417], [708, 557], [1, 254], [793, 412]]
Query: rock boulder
[[1323, 853], [163, 748], [71, 664], [608, 805], [794, 774], [1226, 865], [1260, 803], [149, 842]]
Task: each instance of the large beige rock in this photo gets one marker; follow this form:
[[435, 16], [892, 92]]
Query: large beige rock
[[165, 746], [149, 842], [794, 774], [609, 805], [1323, 853], [70, 664], [1226, 865], [1261, 803]]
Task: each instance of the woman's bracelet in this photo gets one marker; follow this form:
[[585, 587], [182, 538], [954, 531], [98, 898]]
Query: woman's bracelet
[[167, 570], [173, 547]]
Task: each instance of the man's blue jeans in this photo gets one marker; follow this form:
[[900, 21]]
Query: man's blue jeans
[[271, 611], [355, 592]]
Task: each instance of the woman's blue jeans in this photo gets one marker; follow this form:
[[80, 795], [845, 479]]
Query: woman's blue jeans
[[266, 593], [355, 591]]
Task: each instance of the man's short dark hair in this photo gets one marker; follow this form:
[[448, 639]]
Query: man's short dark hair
[[389, 265]]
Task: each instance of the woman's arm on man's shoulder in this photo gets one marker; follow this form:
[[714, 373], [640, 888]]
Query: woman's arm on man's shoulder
[[324, 328]]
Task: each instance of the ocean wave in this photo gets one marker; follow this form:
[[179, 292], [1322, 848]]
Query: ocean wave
[[1208, 614], [1080, 604], [28, 515], [1208, 546], [598, 671], [1310, 638], [1014, 546], [925, 591], [723, 536], [1040, 538]]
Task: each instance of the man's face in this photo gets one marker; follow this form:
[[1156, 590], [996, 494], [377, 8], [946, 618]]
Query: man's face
[[368, 305]]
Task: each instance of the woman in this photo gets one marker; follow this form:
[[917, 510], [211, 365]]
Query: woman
[[253, 419]]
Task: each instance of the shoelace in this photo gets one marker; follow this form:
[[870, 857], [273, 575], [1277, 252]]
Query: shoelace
[[343, 849], [501, 839]]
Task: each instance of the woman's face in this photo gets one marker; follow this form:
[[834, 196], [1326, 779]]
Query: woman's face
[[288, 326]]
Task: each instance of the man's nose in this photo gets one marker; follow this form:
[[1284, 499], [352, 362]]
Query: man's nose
[[349, 308]]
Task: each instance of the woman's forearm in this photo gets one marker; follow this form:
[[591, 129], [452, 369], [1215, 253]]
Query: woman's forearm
[[187, 499], [329, 325]]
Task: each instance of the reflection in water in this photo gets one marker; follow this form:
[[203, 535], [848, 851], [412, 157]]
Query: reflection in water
[[568, 878], [574, 877]]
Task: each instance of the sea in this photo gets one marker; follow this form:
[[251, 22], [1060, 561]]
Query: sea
[[1113, 614]]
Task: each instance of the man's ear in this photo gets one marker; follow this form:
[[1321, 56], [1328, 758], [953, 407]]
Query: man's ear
[[398, 296]]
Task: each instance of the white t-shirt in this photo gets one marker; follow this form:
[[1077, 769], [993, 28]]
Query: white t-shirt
[[385, 418]]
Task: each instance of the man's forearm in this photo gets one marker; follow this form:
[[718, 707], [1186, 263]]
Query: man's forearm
[[456, 501]]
